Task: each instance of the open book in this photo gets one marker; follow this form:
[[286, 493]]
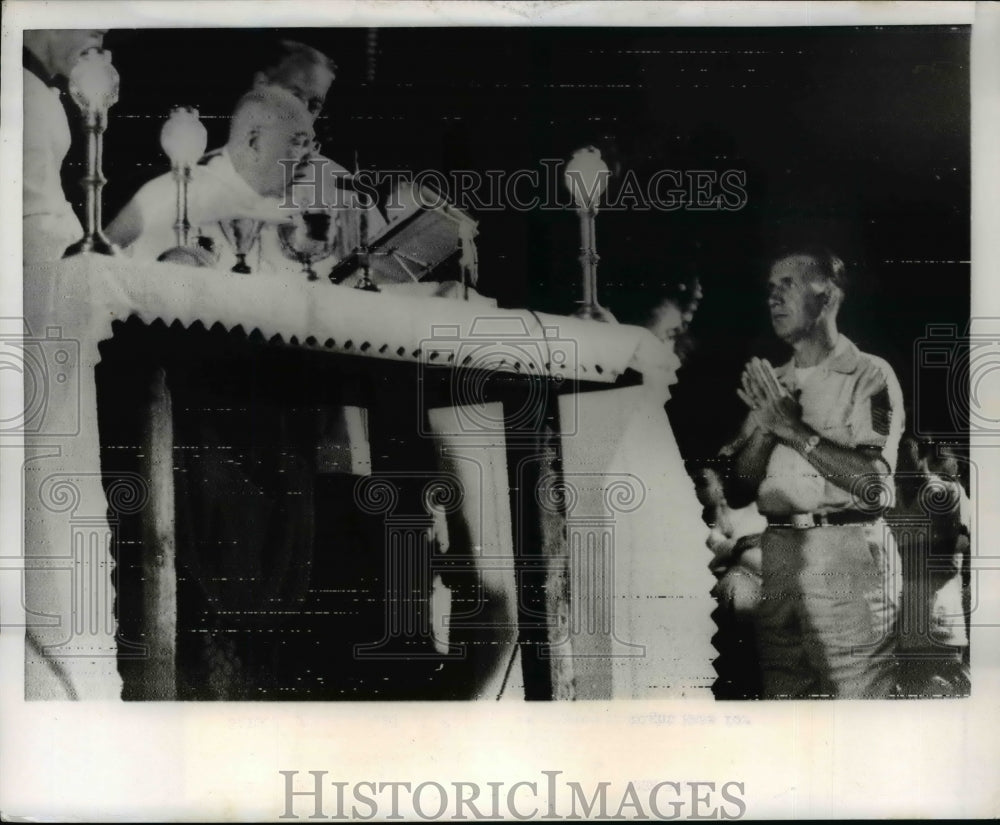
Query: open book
[[423, 232]]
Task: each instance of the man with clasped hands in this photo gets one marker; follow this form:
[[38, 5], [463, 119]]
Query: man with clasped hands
[[816, 452]]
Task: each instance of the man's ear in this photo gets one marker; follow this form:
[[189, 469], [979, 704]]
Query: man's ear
[[834, 297], [828, 297], [253, 139]]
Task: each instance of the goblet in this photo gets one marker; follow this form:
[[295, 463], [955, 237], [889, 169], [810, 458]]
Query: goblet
[[242, 234], [311, 236]]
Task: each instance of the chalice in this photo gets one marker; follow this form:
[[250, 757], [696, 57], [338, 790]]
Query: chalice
[[242, 234], [310, 236]]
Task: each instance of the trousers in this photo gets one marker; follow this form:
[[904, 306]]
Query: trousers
[[829, 602]]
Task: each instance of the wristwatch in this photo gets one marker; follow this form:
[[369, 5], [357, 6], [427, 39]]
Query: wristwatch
[[811, 443]]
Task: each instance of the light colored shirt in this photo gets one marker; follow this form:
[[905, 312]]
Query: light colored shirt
[[216, 195], [50, 225], [835, 406]]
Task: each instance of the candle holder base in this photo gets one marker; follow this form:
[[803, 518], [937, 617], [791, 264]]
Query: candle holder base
[[188, 256], [366, 284], [595, 312], [94, 244]]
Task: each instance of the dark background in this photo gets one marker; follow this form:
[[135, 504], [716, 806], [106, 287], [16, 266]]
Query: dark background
[[858, 137]]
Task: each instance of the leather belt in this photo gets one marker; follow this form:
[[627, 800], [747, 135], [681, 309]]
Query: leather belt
[[838, 518]]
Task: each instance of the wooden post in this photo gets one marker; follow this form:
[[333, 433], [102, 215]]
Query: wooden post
[[159, 569]]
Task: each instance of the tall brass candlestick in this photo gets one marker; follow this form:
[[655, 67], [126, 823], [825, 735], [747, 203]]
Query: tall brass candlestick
[[588, 260], [93, 85], [586, 177], [182, 226], [183, 139]]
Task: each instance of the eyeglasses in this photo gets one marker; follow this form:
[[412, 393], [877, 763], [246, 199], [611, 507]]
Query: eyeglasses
[[301, 141]]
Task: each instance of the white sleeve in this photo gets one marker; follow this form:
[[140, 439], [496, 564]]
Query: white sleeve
[[50, 224], [145, 225], [878, 421]]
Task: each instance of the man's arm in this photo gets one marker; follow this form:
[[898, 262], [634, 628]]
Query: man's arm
[[749, 464], [153, 208], [126, 227], [748, 456], [850, 468]]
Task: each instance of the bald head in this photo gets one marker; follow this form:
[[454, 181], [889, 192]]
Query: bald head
[[267, 108], [269, 125]]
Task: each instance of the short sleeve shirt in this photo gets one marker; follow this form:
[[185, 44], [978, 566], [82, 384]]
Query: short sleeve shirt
[[837, 406], [50, 225], [216, 190]]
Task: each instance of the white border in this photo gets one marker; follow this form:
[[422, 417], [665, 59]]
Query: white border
[[804, 760], [263, 13]]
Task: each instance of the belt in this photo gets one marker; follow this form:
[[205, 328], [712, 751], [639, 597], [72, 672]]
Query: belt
[[838, 518]]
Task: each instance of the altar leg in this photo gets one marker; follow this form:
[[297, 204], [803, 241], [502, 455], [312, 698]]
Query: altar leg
[[159, 570]]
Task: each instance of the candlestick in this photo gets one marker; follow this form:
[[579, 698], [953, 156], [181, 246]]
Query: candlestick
[[93, 85], [184, 139], [586, 177]]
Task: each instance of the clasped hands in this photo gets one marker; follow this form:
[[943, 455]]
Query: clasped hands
[[775, 411], [772, 408]]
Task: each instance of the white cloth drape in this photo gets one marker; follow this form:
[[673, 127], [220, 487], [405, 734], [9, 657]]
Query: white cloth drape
[[69, 307], [640, 621]]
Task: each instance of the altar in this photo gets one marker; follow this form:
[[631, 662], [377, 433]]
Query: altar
[[256, 487]]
